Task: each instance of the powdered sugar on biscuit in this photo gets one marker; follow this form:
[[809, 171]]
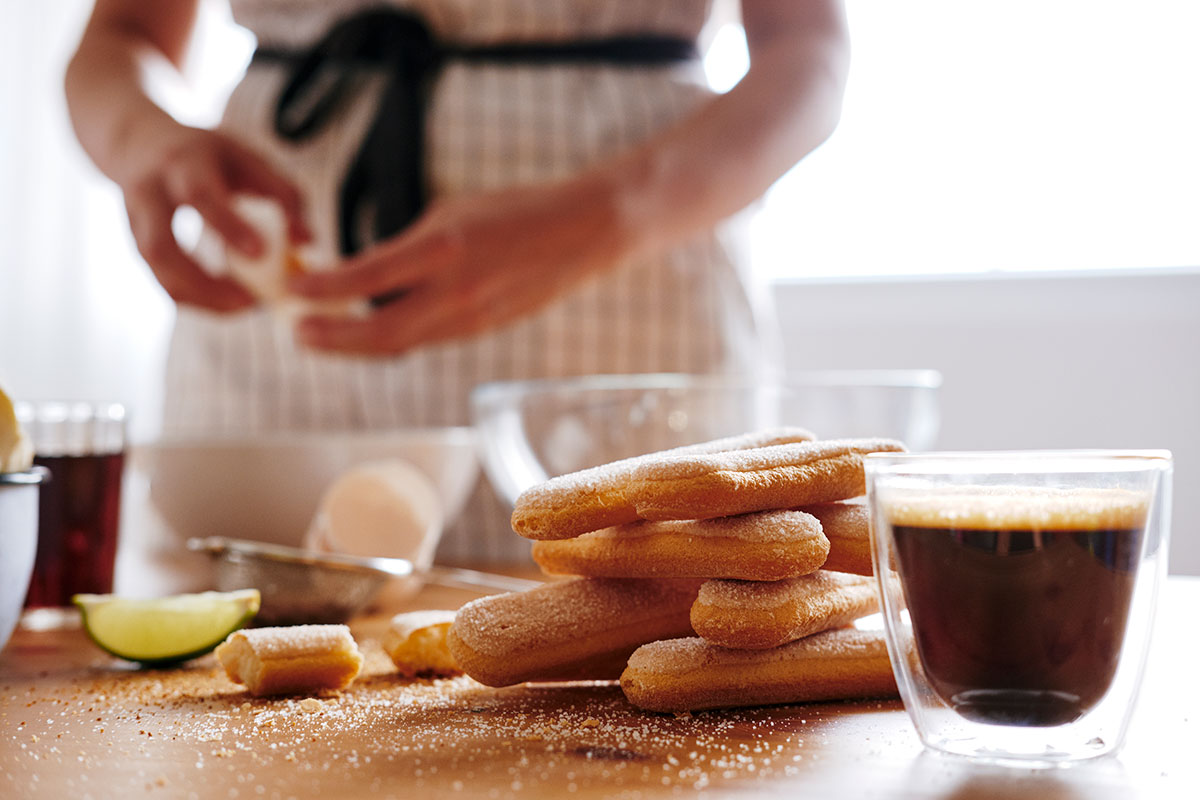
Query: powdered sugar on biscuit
[[736, 594], [298, 640], [549, 615], [762, 526], [679, 466], [594, 498]]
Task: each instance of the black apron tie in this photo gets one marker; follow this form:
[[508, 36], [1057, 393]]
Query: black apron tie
[[386, 177]]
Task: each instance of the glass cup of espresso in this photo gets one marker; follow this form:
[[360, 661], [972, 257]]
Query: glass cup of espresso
[[1019, 626], [83, 447]]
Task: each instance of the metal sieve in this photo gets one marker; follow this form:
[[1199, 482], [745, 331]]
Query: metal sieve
[[301, 586]]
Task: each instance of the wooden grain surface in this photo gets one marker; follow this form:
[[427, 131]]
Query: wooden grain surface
[[75, 723]]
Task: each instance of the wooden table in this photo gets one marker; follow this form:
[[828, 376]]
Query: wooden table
[[75, 723]]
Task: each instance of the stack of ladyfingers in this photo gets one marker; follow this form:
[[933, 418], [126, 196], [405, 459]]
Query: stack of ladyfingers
[[756, 543]]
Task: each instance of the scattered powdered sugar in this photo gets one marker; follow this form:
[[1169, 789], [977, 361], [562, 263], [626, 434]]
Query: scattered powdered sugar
[[193, 733]]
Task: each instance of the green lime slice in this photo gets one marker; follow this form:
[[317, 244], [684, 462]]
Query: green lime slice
[[162, 630]]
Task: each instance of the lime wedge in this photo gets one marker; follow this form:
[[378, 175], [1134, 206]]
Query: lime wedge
[[162, 630]]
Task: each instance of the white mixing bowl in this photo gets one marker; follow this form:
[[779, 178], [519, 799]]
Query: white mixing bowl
[[266, 488]]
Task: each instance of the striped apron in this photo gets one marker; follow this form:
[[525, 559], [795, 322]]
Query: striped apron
[[488, 125]]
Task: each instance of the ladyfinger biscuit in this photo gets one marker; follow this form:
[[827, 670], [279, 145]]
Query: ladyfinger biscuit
[[692, 675], [847, 526], [765, 546], [582, 629], [781, 476], [416, 643], [298, 659], [591, 499], [756, 615]]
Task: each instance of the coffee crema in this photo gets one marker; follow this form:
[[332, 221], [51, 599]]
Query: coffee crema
[[1019, 597]]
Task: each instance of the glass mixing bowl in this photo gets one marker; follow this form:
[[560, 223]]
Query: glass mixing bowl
[[529, 431]]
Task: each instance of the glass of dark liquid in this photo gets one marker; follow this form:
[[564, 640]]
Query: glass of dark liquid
[[1019, 626], [83, 447]]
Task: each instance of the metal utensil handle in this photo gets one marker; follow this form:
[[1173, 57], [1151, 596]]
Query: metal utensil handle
[[473, 579]]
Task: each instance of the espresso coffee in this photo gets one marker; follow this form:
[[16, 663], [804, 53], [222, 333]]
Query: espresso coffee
[[1019, 607]]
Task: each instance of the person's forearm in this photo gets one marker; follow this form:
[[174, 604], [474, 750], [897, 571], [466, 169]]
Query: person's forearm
[[108, 83], [729, 153]]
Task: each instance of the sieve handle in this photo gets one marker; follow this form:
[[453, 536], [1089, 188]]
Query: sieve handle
[[473, 579]]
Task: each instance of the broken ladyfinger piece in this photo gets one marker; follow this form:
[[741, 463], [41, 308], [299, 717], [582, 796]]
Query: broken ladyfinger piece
[[416, 643], [301, 659]]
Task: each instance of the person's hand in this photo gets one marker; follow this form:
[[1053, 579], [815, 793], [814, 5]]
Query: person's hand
[[471, 263], [203, 169]]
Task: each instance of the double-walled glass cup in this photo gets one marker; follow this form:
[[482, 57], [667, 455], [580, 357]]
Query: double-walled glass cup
[[1019, 626]]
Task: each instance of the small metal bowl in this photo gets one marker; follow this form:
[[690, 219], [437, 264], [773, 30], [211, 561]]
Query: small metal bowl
[[302, 587], [18, 541]]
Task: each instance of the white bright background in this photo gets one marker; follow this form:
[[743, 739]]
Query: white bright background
[[1014, 135]]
